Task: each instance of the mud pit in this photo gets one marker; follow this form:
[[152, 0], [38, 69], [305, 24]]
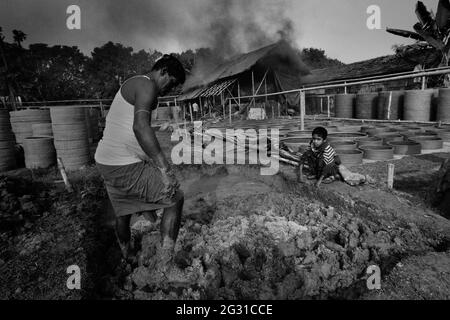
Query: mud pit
[[245, 236]]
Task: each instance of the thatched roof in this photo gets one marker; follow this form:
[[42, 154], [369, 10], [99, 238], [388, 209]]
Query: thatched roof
[[276, 56], [374, 67]]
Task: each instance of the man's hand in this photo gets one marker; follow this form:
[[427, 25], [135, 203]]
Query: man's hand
[[170, 182]]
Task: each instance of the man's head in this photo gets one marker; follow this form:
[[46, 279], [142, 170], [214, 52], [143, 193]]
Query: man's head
[[319, 136], [168, 72]]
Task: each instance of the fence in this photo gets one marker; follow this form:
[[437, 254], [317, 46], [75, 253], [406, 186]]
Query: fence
[[103, 104]]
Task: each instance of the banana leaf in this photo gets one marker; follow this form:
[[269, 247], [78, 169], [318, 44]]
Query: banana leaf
[[429, 37], [406, 34], [424, 16], [443, 15]]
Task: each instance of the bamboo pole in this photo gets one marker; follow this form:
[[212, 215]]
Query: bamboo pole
[[259, 87], [253, 89], [265, 86], [231, 95], [223, 104], [239, 95], [184, 115], [328, 106], [386, 121], [230, 110], [380, 76], [389, 106], [190, 111], [302, 110], [62, 170], [341, 85]]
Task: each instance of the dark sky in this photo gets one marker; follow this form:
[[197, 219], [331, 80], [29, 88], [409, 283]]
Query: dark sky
[[338, 26]]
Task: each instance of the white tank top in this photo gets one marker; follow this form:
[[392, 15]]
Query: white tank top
[[119, 145]]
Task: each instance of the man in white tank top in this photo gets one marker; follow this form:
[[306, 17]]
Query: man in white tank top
[[137, 175]]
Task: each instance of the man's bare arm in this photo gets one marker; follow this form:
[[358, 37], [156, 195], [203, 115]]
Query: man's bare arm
[[144, 98]]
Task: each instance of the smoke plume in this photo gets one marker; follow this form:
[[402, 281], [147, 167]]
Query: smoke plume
[[227, 26]]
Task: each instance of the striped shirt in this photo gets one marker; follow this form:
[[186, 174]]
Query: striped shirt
[[325, 151]]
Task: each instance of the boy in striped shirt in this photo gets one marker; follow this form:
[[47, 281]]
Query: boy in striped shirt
[[321, 159]]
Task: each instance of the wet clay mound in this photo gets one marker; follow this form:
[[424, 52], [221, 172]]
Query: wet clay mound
[[261, 241], [22, 202], [69, 230]]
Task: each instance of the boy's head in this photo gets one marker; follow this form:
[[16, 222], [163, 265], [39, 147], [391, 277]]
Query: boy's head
[[319, 136]]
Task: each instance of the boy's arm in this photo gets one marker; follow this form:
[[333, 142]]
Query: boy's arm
[[300, 173], [319, 182]]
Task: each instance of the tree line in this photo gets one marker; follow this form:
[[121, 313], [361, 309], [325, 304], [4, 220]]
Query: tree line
[[45, 73]]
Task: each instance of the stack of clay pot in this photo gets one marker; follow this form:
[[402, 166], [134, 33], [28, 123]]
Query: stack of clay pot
[[71, 136], [7, 143], [22, 122]]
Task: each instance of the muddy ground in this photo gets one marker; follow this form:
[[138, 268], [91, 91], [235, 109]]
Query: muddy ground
[[243, 236]]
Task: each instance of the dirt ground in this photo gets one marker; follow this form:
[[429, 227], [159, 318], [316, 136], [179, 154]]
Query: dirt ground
[[243, 236]]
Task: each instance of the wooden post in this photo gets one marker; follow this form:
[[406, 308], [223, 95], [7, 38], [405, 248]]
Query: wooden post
[[102, 109], [345, 88], [390, 181], [265, 88], [190, 111], [209, 105], [64, 175], [273, 111], [321, 105], [184, 115], [389, 106], [222, 104], [253, 89], [201, 107], [328, 106], [175, 114], [302, 110], [239, 95], [230, 109], [424, 82]]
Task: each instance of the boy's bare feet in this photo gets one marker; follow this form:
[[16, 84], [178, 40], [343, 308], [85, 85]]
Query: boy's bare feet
[[329, 180]]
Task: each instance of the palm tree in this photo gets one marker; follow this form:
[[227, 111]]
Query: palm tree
[[431, 30], [19, 37], [5, 64]]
